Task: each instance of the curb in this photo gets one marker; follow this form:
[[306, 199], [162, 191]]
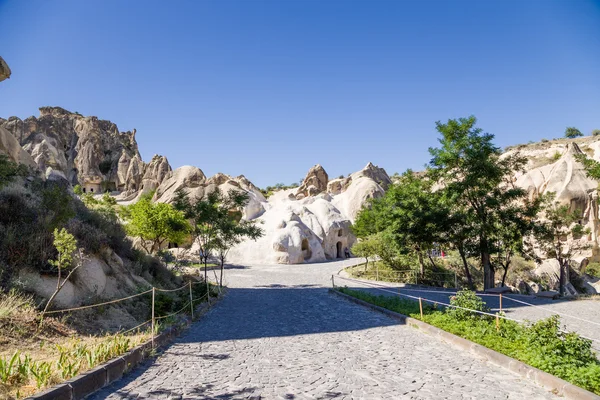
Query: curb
[[103, 375], [548, 381]]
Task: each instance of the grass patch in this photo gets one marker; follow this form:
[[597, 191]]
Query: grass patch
[[541, 344], [380, 271]]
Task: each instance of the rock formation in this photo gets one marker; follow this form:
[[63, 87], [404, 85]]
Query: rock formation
[[304, 227], [4, 70], [351, 193], [87, 151], [11, 148], [196, 185], [567, 179], [314, 183]]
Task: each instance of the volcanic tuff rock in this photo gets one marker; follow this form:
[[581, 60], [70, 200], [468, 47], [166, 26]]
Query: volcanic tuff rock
[[312, 228], [314, 183], [87, 150], [196, 185], [4, 70], [10, 147]]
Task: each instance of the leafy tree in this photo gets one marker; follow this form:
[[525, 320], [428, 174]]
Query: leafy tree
[[572, 133], [596, 132], [155, 223], [552, 232], [78, 190], [66, 245], [475, 179], [216, 223], [231, 230], [366, 248]]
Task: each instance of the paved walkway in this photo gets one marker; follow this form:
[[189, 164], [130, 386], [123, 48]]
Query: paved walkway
[[278, 334]]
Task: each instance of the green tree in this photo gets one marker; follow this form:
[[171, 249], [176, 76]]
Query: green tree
[[572, 133], [558, 224], [231, 230], [66, 245], [366, 248], [596, 132], [154, 223], [216, 223], [474, 177]]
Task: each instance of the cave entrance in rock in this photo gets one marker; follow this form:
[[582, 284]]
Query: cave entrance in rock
[[339, 250], [307, 254]]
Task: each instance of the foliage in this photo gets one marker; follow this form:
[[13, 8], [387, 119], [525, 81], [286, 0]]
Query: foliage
[[572, 133], [465, 201], [593, 269], [596, 132], [216, 224], [155, 223], [66, 245], [18, 370], [559, 223], [10, 170], [541, 344], [269, 190], [365, 248], [467, 299]]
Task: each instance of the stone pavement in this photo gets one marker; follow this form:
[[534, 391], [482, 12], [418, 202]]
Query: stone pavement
[[278, 334]]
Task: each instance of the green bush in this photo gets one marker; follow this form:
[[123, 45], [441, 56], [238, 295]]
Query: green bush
[[593, 269], [467, 299]]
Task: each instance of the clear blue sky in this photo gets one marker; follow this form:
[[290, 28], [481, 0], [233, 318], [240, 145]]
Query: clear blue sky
[[270, 88]]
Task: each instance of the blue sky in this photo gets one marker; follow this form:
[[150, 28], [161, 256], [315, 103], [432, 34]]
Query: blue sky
[[269, 88]]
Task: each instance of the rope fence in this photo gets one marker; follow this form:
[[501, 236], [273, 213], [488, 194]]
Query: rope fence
[[397, 292], [153, 291]]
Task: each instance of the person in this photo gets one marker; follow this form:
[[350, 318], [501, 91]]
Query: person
[[347, 252]]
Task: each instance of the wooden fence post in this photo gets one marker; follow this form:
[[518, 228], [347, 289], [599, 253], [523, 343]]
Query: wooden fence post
[[153, 292], [191, 301], [421, 308]]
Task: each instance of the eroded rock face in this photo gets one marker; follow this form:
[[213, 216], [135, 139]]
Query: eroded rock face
[[350, 194], [4, 70], [297, 231], [87, 150], [11, 148], [196, 185], [314, 183]]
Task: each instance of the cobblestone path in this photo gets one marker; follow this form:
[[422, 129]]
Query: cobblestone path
[[278, 334]]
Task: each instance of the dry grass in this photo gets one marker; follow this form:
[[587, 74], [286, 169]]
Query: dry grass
[[55, 346]]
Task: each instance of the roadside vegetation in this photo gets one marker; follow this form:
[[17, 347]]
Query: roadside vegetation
[[48, 231], [465, 205], [541, 344]]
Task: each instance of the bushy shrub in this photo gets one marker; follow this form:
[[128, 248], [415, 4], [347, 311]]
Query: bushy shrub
[[593, 269], [467, 299]]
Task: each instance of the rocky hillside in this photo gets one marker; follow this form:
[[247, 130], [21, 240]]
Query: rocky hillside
[[87, 151]]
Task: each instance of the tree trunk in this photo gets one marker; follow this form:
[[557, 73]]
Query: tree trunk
[[561, 283], [433, 264], [466, 265], [221, 279], [421, 264], [489, 280], [504, 275]]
